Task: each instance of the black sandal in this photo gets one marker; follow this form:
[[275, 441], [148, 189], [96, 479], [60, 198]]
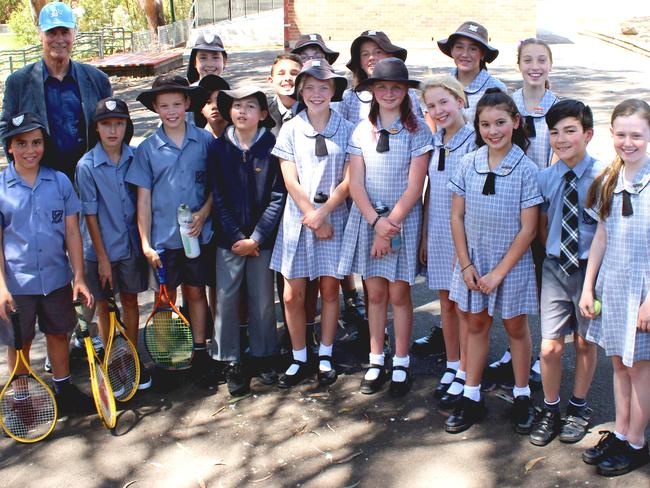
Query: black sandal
[[400, 388], [368, 387], [326, 377], [442, 388], [291, 380]]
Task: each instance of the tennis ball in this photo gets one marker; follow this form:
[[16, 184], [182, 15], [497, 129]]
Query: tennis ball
[[597, 307]]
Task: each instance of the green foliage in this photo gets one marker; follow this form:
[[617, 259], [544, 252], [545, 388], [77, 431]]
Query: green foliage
[[20, 22], [181, 9], [6, 8]]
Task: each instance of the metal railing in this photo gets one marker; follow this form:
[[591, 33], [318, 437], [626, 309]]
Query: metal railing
[[213, 11]]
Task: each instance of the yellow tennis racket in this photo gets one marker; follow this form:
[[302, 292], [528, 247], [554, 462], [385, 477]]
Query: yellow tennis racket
[[99, 382], [27, 405]]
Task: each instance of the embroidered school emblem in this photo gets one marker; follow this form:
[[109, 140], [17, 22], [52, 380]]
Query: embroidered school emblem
[[393, 131], [199, 177], [312, 37], [315, 63], [209, 37], [258, 170], [18, 120], [473, 28], [372, 33], [111, 104], [57, 216], [55, 12]]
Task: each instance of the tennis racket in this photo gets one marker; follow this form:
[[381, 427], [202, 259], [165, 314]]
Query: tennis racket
[[27, 405], [121, 359], [167, 333], [99, 382]]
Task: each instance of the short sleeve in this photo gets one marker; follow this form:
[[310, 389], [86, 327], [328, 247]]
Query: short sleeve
[[284, 144], [542, 178], [456, 183], [70, 200], [87, 189], [416, 106], [422, 141], [530, 194], [354, 146], [139, 173]]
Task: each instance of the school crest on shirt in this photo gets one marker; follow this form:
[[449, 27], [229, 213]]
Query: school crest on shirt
[[199, 177], [57, 216], [588, 219]]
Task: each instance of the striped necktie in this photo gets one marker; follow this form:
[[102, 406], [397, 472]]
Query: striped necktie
[[569, 236]]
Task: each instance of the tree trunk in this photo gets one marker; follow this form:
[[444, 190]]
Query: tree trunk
[[153, 10], [35, 6]]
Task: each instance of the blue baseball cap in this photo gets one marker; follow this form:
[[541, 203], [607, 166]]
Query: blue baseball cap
[[56, 14]]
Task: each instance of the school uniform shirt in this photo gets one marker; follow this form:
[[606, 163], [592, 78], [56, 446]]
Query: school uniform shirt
[[104, 193], [355, 106], [386, 179], [476, 89], [174, 175], [441, 254], [491, 224], [247, 188], [281, 114], [540, 146], [551, 185], [298, 253], [33, 227], [624, 278]]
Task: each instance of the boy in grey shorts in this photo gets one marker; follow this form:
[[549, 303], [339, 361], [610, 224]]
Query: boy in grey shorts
[[566, 230]]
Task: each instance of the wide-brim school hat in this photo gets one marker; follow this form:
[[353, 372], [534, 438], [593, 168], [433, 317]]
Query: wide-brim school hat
[[321, 70], [211, 83], [205, 41], [56, 14], [226, 98], [173, 83], [381, 39], [475, 32], [112, 108], [315, 40], [389, 69]]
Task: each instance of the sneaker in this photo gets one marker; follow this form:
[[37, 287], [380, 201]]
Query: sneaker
[[72, 402], [238, 383], [575, 424], [607, 444], [498, 374], [523, 415], [623, 460], [547, 428], [145, 378], [434, 343]]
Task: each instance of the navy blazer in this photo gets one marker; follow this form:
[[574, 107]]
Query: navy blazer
[[25, 92], [248, 191]]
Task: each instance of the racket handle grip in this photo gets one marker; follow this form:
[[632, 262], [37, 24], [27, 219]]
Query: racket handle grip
[[162, 276], [18, 333]]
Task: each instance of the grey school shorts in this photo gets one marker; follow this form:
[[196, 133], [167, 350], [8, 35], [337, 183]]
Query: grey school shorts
[[559, 310], [129, 276], [55, 313]]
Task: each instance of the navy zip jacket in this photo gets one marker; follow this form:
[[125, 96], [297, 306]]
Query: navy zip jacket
[[248, 191]]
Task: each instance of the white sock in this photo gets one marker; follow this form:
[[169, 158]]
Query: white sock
[[399, 375], [638, 447], [521, 391], [323, 350], [373, 373], [300, 355], [506, 358], [473, 393], [449, 377], [619, 436], [537, 366], [456, 387]]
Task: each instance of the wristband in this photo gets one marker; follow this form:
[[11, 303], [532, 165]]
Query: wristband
[[470, 264], [375, 221]]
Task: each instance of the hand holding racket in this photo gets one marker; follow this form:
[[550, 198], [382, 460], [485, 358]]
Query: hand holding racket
[[121, 359], [167, 333], [28, 409]]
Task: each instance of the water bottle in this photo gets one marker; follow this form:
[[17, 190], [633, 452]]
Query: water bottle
[[396, 240], [319, 200], [190, 244]]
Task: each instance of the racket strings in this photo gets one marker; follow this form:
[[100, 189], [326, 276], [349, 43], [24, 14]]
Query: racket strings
[[106, 407], [28, 409], [169, 341], [121, 367]]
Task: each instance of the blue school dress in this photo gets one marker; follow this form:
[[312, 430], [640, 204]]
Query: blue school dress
[[356, 105], [540, 146], [476, 89]]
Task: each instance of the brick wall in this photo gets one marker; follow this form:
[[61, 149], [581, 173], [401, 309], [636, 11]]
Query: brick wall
[[409, 21]]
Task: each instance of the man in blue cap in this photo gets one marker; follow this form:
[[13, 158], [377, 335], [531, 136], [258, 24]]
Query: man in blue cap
[[60, 91]]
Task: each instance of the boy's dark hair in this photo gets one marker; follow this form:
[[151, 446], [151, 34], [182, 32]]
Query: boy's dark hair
[[570, 108], [291, 57], [494, 97]]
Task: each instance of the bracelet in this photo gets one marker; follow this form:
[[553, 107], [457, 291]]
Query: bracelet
[[470, 264], [375, 221]]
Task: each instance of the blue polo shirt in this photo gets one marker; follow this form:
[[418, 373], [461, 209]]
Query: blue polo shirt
[[174, 175], [104, 193], [33, 227], [551, 184], [65, 119]]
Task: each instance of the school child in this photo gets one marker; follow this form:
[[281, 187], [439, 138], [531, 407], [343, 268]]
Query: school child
[[469, 49], [284, 106], [445, 100], [40, 239], [566, 231], [312, 46], [112, 252], [618, 273], [208, 116], [248, 195], [169, 169], [389, 154], [493, 221], [365, 52], [312, 151], [207, 57]]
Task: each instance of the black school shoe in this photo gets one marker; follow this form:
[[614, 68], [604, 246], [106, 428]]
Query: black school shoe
[[449, 401], [368, 387], [400, 388], [624, 460], [264, 370], [291, 380], [575, 424], [442, 388], [498, 375], [238, 382], [547, 428], [605, 447], [326, 377], [523, 415], [73, 402], [434, 343], [467, 413]]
